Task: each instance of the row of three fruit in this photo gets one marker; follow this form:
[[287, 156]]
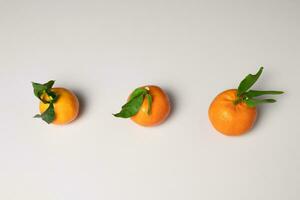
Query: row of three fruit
[[233, 112]]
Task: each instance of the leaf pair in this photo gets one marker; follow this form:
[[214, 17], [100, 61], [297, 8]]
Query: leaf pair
[[246, 95], [45, 89], [41, 89], [135, 102]]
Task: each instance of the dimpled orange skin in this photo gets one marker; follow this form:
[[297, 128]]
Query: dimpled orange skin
[[66, 107], [160, 108], [230, 119]]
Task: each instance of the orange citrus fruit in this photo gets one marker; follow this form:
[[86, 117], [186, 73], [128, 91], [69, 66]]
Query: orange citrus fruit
[[66, 107], [160, 108], [147, 106], [229, 118], [233, 112]]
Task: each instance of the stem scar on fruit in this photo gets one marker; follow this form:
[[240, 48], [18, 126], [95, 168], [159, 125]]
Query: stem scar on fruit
[[147, 106], [57, 105], [233, 112]]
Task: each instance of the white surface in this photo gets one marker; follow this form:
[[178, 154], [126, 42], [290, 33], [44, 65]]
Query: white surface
[[103, 50]]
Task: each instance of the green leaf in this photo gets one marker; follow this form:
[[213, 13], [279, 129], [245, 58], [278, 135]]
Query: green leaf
[[53, 95], [131, 108], [254, 102], [256, 93], [247, 83], [135, 102], [40, 89], [138, 92], [49, 84], [49, 115], [149, 98]]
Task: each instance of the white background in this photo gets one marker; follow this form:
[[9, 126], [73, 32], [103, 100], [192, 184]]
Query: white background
[[103, 50]]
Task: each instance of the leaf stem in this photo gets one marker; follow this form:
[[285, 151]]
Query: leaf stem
[[237, 101]]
